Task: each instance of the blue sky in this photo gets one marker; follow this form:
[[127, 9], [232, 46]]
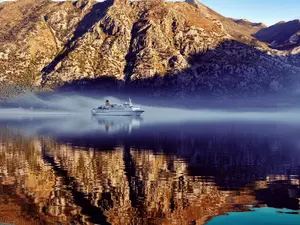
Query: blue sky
[[266, 11]]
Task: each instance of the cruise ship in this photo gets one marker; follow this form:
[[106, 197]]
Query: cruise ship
[[126, 109]]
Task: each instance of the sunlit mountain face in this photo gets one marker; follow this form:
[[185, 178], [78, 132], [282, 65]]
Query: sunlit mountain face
[[155, 47], [128, 170]]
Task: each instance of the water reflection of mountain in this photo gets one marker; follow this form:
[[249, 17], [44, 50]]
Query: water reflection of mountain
[[189, 181], [226, 151]]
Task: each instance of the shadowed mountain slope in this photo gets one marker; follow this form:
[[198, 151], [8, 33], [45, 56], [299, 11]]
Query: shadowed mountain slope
[[283, 35]]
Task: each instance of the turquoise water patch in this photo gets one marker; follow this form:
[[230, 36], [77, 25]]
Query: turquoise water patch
[[259, 216]]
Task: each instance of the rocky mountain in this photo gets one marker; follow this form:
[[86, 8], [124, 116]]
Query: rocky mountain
[[283, 35], [182, 47], [255, 27]]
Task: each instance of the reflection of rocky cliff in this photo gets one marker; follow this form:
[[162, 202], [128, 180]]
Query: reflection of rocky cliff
[[30, 179], [62, 183], [142, 186]]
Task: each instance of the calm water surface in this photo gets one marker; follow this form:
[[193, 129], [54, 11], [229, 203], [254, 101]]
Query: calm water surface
[[124, 170]]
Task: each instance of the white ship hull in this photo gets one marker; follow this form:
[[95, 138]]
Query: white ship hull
[[117, 112], [127, 109]]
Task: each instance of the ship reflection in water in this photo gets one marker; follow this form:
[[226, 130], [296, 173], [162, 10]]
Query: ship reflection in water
[[113, 124], [124, 171]]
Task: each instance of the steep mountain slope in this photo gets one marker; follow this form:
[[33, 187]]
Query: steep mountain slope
[[167, 46], [283, 35], [234, 28], [254, 27], [27, 41]]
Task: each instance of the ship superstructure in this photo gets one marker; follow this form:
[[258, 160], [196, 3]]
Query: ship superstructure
[[126, 109]]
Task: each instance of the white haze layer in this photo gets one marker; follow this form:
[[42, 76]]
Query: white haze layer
[[32, 105], [65, 114]]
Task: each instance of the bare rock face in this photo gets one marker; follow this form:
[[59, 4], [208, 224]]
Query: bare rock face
[[83, 4], [181, 46]]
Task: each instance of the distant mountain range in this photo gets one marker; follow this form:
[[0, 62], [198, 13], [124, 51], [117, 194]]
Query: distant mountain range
[[183, 48], [282, 36], [246, 23]]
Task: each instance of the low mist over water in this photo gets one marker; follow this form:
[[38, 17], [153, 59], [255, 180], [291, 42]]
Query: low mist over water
[[170, 166], [157, 109]]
